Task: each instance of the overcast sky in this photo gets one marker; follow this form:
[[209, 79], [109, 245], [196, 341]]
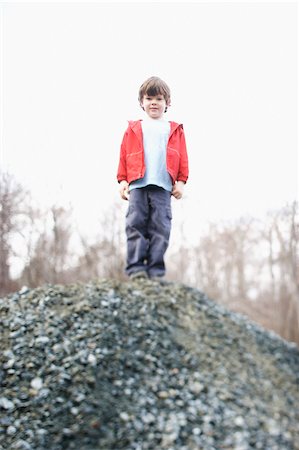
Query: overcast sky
[[70, 74]]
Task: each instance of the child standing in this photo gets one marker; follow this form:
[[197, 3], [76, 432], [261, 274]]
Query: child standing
[[153, 166]]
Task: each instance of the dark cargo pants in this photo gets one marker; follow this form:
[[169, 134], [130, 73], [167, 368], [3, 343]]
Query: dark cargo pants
[[148, 225]]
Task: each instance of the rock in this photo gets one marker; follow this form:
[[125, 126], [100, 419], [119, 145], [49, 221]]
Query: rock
[[36, 383], [5, 403], [141, 365]]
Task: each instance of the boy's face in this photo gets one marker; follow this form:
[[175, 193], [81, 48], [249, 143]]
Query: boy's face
[[154, 105]]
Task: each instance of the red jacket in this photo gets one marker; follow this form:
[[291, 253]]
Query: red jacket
[[131, 163]]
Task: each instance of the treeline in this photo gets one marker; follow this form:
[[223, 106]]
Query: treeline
[[48, 247], [249, 265]]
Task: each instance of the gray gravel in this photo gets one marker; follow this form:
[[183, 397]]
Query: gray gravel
[[141, 365]]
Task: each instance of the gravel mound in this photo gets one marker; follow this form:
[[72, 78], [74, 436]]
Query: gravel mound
[[141, 365]]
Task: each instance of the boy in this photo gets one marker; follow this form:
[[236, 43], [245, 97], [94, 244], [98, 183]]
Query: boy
[[153, 165]]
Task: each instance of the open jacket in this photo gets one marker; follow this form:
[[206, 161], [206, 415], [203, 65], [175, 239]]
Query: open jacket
[[131, 162]]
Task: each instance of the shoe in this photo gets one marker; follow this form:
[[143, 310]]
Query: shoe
[[160, 280], [157, 278], [141, 275]]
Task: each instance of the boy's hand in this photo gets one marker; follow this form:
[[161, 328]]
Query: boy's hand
[[124, 190], [178, 189]]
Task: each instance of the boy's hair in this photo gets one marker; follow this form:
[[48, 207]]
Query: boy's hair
[[154, 86]]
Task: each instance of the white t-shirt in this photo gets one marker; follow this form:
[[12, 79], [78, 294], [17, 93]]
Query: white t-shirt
[[155, 138]]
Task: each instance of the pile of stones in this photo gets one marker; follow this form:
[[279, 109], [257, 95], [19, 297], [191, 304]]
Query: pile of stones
[[141, 365]]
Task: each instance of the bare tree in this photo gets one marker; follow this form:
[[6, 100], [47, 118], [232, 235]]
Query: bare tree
[[221, 260], [105, 255], [61, 233], [50, 259], [283, 254], [178, 255], [13, 220]]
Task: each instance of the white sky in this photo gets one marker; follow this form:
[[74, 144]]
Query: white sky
[[70, 74]]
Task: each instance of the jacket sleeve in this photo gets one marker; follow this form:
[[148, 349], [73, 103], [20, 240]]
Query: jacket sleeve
[[183, 172], [122, 165]]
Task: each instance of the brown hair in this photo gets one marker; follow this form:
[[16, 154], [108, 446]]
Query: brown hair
[[154, 86]]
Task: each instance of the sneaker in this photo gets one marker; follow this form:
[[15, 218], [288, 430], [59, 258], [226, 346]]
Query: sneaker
[[160, 280], [157, 278], [141, 275]]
